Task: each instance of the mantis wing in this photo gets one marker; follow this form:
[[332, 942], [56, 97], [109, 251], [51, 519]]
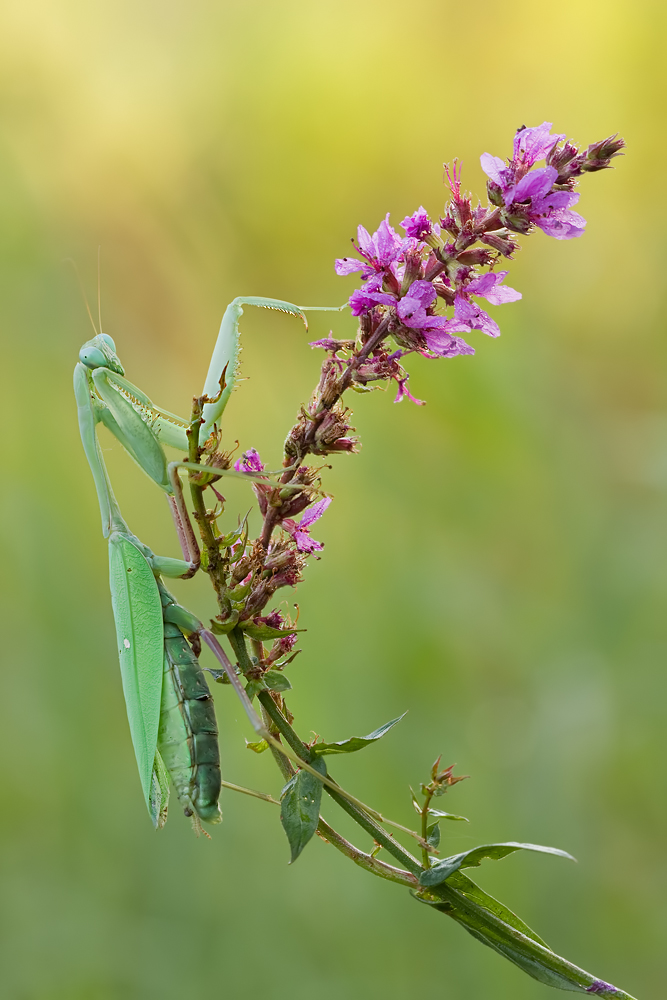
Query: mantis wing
[[139, 627]]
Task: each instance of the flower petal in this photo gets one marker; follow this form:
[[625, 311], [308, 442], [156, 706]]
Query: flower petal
[[346, 265], [535, 184], [533, 144], [315, 512], [493, 167]]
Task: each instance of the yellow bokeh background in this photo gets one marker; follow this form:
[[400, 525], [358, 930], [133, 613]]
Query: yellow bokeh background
[[494, 562]]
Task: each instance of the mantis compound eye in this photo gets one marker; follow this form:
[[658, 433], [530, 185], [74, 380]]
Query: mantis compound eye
[[92, 357], [100, 352]]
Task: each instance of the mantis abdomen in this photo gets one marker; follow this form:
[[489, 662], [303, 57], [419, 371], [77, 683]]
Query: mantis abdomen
[[188, 733]]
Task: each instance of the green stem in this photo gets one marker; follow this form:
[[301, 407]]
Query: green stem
[[237, 640], [215, 568], [425, 854], [357, 812], [365, 861], [331, 836]]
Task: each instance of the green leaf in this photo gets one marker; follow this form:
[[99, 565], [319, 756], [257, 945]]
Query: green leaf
[[355, 742], [476, 894], [276, 681], [471, 859], [433, 835], [222, 628], [240, 592], [257, 747], [300, 809], [492, 923], [253, 687], [262, 632], [444, 815], [227, 541]]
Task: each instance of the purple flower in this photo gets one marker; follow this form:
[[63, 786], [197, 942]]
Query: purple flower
[[526, 195], [249, 462], [488, 286], [412, 307], [442, 343], [496, 169], [599, 986], [362, 300], [418, 225], [468, 315], [404, 391], [471, 317], [301, 532], [274, 620], [554, 217], [533, 144], [379, 251], [534, 185]]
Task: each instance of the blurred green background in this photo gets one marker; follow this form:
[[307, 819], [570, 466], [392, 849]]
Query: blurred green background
[[495, 561]]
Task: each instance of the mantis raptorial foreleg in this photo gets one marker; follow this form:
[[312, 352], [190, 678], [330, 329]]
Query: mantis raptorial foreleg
[[144, 429]]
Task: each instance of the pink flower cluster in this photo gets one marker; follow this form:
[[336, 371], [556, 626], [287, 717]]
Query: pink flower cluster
[[406, 278]]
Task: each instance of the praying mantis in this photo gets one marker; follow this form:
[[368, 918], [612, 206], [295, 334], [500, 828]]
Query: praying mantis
[[170, 712]]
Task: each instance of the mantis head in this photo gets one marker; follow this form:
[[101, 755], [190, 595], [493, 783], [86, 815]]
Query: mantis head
[[100, 352]]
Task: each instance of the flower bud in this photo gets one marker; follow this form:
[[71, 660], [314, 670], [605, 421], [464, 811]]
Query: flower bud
[[495, 193], [413, 270], [566, 161], [501, 242], [517, 221], [476, 256], [331, 432], [598, 156]]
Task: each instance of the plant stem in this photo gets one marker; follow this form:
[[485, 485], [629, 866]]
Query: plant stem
[[331, 836], [215, 567], [357, 812], [425, 854], [365, 861]]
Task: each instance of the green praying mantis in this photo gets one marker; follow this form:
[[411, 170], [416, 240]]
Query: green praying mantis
[[170, 711]]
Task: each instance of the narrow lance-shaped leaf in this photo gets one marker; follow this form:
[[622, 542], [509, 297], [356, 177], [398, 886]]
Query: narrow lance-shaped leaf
[[300, 808], [495, 925], [356, 742], [471, 859], [263, 632], [444, 815]]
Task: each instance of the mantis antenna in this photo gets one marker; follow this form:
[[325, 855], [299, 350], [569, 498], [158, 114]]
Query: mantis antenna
[[99, 293], [70, 260]]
